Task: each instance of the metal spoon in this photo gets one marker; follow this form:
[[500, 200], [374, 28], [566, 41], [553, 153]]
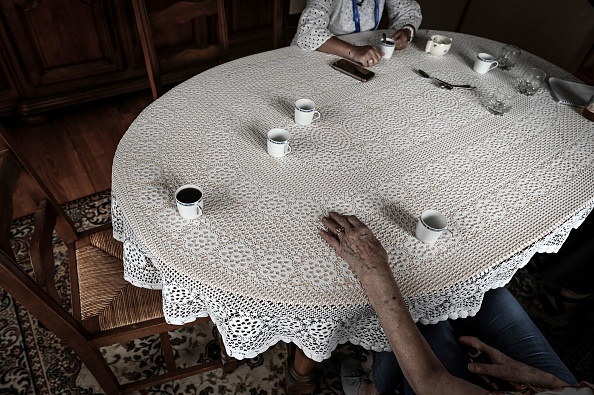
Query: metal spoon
[[442, 84], [446, 84]]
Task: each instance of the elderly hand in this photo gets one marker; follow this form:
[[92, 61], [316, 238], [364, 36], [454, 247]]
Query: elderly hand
[[367, 55], [401, 37], [355, 243], [508, 369]]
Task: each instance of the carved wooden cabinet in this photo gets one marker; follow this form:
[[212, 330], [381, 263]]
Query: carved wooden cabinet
[[62, 52], [8, 93], [56, 53]]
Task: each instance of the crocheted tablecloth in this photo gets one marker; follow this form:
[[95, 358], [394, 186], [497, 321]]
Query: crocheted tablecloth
[[385, 150]]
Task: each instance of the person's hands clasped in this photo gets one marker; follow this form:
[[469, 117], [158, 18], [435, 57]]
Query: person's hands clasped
[[508, 369], [354, 242], [367, 55], [401, 38]]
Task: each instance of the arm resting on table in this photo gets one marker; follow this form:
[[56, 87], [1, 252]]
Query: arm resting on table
[[356, 244]]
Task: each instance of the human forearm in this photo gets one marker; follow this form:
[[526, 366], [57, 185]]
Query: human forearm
[[336, 46], [366, 55], [357, 245], [423, 370]]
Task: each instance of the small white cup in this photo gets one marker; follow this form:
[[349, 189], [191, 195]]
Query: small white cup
[[387, 47], [484, 62], [431, 225], [190, 203], [278, 143], [438, 45], [305, 112]]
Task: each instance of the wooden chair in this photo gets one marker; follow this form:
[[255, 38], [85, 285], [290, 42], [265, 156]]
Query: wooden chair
[[284, 24], [106, 309], [162, 27]]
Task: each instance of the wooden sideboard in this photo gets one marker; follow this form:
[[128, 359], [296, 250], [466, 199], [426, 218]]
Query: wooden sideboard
[[56, 53]]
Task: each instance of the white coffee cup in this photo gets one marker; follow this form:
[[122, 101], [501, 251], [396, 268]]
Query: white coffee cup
[[484, 62], [387, 47], [278, 142], [190, 203], [438, 45], [305, 112], [431, 225]]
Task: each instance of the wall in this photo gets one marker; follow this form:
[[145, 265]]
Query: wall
[[560, 31]]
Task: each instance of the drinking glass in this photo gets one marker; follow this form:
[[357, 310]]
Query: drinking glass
[[508, 56], [501, 100], [529, 83]]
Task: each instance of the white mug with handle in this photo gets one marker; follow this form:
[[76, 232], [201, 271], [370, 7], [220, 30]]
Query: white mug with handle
[[438, 45], [278, 142], [305, 112], [431, 225], [484, 62]]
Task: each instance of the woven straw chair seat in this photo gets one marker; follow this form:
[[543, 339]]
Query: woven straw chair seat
[[104, 293]]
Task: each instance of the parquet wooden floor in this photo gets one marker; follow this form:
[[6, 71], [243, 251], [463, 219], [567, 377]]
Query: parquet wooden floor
[[73, 150]]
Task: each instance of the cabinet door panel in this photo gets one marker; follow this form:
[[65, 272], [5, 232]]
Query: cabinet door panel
[[245, 15], [8, 93], [62, 40]]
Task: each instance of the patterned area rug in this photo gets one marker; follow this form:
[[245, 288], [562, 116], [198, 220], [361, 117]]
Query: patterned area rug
[[34, 361]]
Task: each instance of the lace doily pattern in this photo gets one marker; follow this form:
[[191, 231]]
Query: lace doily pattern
[[384, 150]]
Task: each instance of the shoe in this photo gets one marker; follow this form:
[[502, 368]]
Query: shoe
[[351, 375]]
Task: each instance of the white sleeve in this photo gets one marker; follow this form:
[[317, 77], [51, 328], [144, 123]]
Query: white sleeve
[[404, 12], [312, 30]]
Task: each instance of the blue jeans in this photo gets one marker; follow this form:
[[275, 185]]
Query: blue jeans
[[501, 323]]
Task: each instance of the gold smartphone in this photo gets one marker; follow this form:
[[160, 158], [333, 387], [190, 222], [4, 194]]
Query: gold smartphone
[[353, 70]]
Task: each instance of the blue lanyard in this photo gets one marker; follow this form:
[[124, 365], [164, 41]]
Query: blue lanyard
[[358, 19]]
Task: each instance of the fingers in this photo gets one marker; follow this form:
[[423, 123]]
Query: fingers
[[341, 220], [335, 225], [371, 56], [476, 343], [471, 341], [331, 239], [495, 370], [401, 39], [346, 222], [354, 221]]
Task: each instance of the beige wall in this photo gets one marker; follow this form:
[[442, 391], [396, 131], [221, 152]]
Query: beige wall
[[560, 31]]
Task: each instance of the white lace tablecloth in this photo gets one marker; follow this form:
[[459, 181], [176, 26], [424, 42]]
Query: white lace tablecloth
[[384, 150]]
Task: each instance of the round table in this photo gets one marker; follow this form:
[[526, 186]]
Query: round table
[[384, 150]]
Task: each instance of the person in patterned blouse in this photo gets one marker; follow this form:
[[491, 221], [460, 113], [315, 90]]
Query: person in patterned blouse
[[322, 21]]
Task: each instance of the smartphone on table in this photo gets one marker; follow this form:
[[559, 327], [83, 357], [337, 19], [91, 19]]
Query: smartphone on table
[[353, 70]]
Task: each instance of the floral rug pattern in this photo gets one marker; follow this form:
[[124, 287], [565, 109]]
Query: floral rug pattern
[[34, 361]]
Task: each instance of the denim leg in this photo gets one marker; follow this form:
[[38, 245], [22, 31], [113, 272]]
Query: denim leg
[[502, 323], [442, 340], [385, 372]]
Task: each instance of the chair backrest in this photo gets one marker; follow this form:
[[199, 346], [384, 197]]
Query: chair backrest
[[32, 282], [157, 28], [106, 309], [286, 14]]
